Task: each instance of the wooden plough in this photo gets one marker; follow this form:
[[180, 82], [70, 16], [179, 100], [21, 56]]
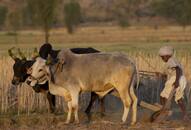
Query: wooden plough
[[154, 107], [160, 112]]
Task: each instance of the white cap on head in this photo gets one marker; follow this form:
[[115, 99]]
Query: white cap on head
[[166, 51]]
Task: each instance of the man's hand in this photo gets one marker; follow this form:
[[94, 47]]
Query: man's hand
[[158, 74], [161, 75], [176, 84], [178, 75]]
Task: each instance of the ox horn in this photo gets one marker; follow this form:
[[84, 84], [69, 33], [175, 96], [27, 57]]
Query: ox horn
[[35, 53], [21, 54], [11, 53], [49, 60]]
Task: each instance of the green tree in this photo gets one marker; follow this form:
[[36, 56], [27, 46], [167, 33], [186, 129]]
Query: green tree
[[179, 10], [27, 14], [123, 10], [14, 23], [72, 15], [3, 14], [43, 14], [184, 17]]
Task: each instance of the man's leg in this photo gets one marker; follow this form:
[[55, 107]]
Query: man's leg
[[183, 109], [162, 100]]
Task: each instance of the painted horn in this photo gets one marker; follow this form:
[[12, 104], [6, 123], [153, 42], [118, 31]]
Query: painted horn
[[11, 53], [35, 53], [21, 54]]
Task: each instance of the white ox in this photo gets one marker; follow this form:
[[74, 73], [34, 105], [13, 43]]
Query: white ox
[[98, 72]]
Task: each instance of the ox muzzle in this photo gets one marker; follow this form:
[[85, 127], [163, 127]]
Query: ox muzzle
[[32, 81], [16, 80]]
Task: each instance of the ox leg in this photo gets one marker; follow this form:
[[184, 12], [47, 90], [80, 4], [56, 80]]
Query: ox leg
[[94, 96], [102, 107], [125, 97], [51, 100], [134, 106], [76, 114], [75, 100], [69, 112]]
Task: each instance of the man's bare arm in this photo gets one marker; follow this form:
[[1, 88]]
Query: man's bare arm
[[178, 75]]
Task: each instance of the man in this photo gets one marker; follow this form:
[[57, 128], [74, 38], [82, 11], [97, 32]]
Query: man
[[175, 78]]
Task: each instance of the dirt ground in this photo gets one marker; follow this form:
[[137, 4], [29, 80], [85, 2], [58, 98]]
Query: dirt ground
[[111, 121]]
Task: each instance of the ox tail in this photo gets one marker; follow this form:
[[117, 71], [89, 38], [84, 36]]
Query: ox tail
[[134, 80], [137, 77], [134, 83]]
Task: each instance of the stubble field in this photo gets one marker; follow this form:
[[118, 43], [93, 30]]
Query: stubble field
[[140, 43]]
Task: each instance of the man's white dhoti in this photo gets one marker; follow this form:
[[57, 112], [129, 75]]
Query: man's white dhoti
[[169, 86]]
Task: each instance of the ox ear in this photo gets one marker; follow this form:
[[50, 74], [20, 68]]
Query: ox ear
[[62, 60], [62, 56]]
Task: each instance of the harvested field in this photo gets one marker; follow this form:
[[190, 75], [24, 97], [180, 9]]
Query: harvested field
[[110, 121], [23, 109]]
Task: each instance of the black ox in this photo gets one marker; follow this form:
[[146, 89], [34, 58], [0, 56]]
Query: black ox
[[22, 65]]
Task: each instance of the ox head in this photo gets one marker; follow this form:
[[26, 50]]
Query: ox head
[[20, 67], [39, 72], [44, 70]]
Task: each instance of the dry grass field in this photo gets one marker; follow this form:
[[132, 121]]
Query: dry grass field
[[110, 38], [140, 43]]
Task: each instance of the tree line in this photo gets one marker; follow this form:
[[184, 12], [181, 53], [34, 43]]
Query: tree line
[[45, 14]]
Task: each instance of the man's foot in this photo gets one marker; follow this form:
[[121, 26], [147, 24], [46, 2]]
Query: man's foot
[[101, 114], [186, 118]]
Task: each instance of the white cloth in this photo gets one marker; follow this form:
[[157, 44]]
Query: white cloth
[[169, 86], [166, 50], [170, 71], [170, 65]]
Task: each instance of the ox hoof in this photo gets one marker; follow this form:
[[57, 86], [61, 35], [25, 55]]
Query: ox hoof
[[135, 126], [102, 114], [89, 117], [53, 112], [133, 123], [87, 121], [67, 122], [76, 122], [123, 123]]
